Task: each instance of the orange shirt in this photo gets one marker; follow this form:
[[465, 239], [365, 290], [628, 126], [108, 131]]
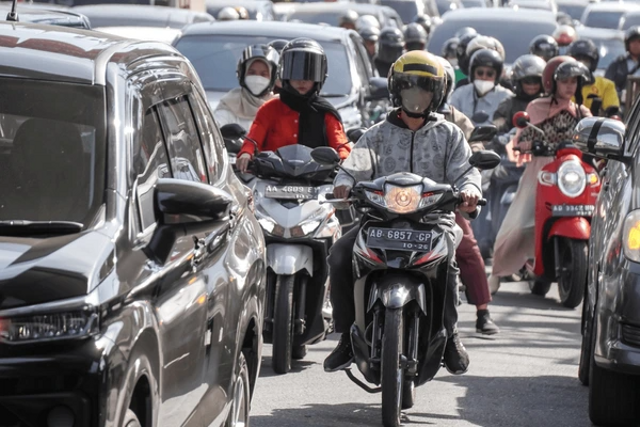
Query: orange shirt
[[276, 125]]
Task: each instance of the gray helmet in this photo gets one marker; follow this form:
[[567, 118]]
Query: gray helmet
[[348, 17], [228, 13], [485, 42], [527, 67], [370, 34], [415, 37], [367, 21]]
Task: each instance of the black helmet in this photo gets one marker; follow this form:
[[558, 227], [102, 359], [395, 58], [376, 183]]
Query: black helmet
[[370, 34], [449, 48], [632, 33], [570, 69], [303, 59], [262, 52], [585, 48], [390, 44], [465, 31], [424, 21], [544, 46], [348, 17], [278, 44], [461, 51], [527, 67], [486, 58], [415, 37]]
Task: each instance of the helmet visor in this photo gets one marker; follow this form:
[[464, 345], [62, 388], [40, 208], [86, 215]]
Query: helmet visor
[[301, 65], [407, 81], [415, 99]]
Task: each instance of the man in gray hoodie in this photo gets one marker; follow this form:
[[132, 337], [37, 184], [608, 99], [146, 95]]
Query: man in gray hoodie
[[412, 139]]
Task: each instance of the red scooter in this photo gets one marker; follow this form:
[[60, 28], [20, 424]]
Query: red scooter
[[565, 201]]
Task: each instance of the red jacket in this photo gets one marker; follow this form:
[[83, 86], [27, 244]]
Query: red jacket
[[276, 125]]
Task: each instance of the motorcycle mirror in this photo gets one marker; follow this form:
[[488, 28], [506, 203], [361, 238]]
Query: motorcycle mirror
[[354, 134], [484, 159], [480, 117], [232, 131], [325, 156], [483, 133], [521, 119]]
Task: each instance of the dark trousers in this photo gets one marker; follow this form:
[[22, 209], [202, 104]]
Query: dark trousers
[[341, 277], [472, 272]]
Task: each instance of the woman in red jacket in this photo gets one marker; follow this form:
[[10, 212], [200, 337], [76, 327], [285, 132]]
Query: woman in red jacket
[[300, 115]]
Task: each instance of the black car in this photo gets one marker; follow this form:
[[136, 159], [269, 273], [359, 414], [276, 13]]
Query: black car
[[131, 265], [610, 356], [214, 50]]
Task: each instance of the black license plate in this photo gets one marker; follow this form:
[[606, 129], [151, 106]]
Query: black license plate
[[399, 239], [572, 210], [295, 192]]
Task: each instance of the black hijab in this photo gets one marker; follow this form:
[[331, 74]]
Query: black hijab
[[312, 131]]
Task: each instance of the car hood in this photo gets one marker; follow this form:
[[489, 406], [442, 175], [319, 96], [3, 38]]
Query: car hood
[[36, 271]]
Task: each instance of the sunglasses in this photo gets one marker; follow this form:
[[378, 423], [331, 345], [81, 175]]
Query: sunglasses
[[485, 73], [531, 81]]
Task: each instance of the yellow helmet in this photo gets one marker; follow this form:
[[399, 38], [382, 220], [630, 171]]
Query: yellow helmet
[[413, 74]]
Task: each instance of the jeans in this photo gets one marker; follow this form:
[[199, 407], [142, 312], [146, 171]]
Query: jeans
[[341, 277]]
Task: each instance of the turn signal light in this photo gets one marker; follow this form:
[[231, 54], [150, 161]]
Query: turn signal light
[[631, 236]]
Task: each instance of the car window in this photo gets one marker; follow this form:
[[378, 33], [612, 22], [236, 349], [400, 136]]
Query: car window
[[211, 139], [609, 50], [150, 162], [363, 65], [215, 58], [603, 19], [629, 21], [406, 9], [185, 151], [52, 159], [573, 10]]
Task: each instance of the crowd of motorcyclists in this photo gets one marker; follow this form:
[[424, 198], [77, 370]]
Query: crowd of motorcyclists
[[436, 103]]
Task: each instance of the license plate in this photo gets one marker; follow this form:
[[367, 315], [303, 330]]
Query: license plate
[[572, 210], [295, 192], [400, 240]]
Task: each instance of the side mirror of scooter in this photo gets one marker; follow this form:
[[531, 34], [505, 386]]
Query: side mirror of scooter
[[483, 133], [484, 159], [521, 119], [233, 131], [325, 156]]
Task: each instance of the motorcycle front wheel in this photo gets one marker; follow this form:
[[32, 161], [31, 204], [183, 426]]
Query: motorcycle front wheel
[[573, 273], [283, 324], [392, 372]]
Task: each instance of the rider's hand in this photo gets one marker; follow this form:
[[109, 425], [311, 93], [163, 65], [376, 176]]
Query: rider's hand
[[341, 191], [469, 200], [242, 162], [524, 145]]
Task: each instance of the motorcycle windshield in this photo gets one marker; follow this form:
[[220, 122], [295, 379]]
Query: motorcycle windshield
[[297, 162]]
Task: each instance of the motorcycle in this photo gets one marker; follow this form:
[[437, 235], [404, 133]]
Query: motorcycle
[[401, 262], [565, 201], [299, 230]]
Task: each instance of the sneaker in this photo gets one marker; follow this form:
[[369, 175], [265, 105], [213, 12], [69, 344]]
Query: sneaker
[[485, 324], [494, 284], [456, 358], [341, 357]]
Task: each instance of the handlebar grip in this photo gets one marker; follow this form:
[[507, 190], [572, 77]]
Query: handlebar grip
[[482, 202], [330, 196]]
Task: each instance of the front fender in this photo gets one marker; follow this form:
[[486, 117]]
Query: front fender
[[289, 259], [575, 227], [395, 290]]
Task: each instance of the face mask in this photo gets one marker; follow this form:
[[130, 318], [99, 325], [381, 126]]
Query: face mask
[[256, 84], [483, 87], [415, 100]]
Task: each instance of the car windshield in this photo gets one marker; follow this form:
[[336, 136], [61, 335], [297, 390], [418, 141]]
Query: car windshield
[[407, 9], [330, 17], [603, 19], [575, 11], [516, 43], [52, 159], [630, 21], [215, 58]]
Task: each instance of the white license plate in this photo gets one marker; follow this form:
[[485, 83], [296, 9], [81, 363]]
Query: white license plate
[[399, 239], [294, 192]]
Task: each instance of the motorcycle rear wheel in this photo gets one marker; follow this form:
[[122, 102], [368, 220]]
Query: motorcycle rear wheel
[[572, 281], [283, 324], [392, 371]]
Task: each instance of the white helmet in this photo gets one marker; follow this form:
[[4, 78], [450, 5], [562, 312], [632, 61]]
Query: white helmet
[[228, 14], [367, 21]]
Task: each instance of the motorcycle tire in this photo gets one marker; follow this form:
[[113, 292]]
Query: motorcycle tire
[[283, 324], [392, 372], [586, 348], [540, 287], [574, 256]]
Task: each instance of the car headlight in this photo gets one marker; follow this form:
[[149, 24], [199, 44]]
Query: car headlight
[[74, 324], [571, 178], [631, 236]]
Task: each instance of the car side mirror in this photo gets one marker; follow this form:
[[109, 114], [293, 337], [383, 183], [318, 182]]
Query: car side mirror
[[484, 159], [601, 137], [379, 90], [325, 156], [521, 119], [184, 208], [483, 133], [233, 131]]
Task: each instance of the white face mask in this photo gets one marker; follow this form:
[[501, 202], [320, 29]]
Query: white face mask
[[483, 87], [256, 84]]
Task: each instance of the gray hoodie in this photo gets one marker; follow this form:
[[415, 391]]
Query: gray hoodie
[[438, 151]]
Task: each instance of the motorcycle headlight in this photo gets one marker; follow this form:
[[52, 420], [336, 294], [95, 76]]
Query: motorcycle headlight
[[73, 324], [268, 225], [571, 179], [402, 200], [631, 236]]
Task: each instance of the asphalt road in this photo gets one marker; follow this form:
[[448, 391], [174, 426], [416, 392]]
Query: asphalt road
[[524, 377]]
